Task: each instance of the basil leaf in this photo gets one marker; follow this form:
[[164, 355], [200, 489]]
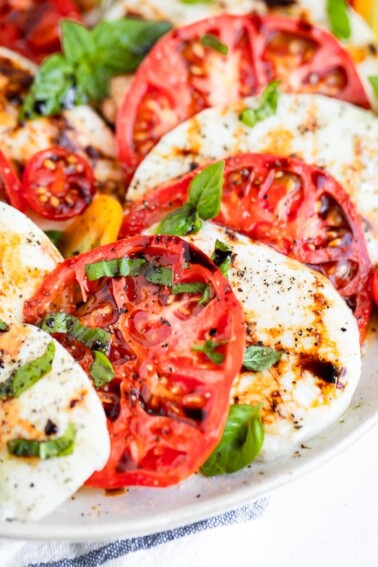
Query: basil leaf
[[338, 18], [205, 191], [193, 287], [159, 275], [267, 106], [101, 370], [114, 268], [222, 256], [59, 447], [205, 296], [28, 374], [55, 236], [93, 338], [180, 222], [374, 83], [258, 359], [211, 41], [77, 41], [4, 327], [209, 349], [241, 441]]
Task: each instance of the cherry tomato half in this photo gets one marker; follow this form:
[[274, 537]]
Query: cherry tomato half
[[10, 186], [298, 209], [181, 76], [58, 184], [31, 27], [168, 402]]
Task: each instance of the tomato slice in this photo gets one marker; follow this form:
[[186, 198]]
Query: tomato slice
[[167, 403], [375, 287], [58, 184], [298, 209], [181, 76], [31, 27], [10, 186]]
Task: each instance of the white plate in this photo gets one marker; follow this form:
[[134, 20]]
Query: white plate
[[92, 515]]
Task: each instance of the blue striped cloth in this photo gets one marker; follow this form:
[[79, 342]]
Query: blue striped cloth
[[56, 554]]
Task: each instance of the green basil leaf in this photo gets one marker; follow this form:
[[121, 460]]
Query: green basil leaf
[[114, 268], [159, 275], [241, 441], [55, 236], [211, 41], [205, 190], [208, 348], [180, 222], [28, 374], [192, 287], [59, 447], [222, 256], [373, 79], [205, 296], [77, 41], [93, 338], [4, 327], [258, 358], [268, 104], [338, 18], [101, 370]]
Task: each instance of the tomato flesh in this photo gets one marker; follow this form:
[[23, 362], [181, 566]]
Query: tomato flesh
[[10, 186], [298, 209], [167, 404], [58, 184], [31, 27], [181, 76]]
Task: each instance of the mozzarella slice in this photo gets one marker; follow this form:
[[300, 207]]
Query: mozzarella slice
[[334, 135], [30, 488], [26, 257], [294, 310]]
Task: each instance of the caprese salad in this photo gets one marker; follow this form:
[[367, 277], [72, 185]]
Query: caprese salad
[[188, 237]]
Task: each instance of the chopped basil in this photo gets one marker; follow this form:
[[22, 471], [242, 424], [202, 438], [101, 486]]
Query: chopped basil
[[159, 275], [92, 337], [4, 327], [204, 202], [90, 58], [59, 447], [55, 236], [338, 18], [268, 103], [114, 268], [222, 256], [101, 370], [208, 348], [205, 296], [241, 441], [213, 42], [258, 358], [28, 374], [373, 79], [192, 287]]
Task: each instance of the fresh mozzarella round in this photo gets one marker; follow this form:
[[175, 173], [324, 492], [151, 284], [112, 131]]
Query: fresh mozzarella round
[[334, 135], [26, 257], [295, 311], [30, 487]]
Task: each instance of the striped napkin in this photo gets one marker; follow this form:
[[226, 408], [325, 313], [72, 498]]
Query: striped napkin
[[117, 553]]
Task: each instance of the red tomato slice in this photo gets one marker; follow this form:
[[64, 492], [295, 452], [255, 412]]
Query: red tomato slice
[[10, 186], [181, 76], [298, 209], [375, 287], [58, 184], [167, 404], [31, 27]]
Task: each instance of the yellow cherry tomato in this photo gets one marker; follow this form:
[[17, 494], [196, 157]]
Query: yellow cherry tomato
[[98, 225]]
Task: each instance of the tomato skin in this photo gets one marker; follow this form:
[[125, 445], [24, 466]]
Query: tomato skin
[[162, 95], [298, 209], [375, 286], [167, 404], [58, 184], [32, 28], [10, 186]]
